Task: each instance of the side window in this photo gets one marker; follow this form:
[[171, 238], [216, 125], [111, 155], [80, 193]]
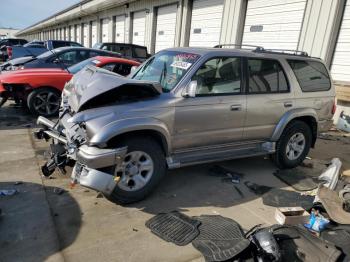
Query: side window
[[140, 52], [219, 76], [109, 67], [266, 76], [122, 69], [94, 53], [125, 51], [311, 75], [69, 57]]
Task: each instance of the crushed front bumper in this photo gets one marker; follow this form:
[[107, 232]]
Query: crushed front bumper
[[89, 159]]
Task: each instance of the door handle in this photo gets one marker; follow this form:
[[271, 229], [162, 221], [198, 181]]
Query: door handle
[[288, 104], [236, 107]]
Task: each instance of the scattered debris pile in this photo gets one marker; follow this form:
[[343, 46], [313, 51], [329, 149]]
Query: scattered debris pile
[[313, 222]]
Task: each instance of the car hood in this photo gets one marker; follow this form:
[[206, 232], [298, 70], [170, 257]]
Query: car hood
[[95, 87], [10, 76]]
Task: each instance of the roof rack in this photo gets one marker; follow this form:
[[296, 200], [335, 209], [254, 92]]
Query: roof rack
[[260, 49], [250, 47], [284, 51]]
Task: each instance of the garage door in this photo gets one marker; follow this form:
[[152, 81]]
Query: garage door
[[166, 26], [78, 33], [274, 24], [72, 33], [341, 61], [93, 33], [104, 30], [86, 35], [206, 22], [120, 29], [139, 28]]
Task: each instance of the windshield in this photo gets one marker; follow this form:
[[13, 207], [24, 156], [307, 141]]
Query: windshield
[[166, 68], [76, 68], [97, 46]]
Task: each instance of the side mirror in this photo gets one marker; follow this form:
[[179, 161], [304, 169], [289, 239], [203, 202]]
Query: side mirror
[[56, 61], [190, 90]]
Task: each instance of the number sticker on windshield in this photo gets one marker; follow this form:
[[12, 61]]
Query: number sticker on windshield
[[181, 65]]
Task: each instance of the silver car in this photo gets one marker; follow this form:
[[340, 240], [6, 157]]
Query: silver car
[[186, 106]]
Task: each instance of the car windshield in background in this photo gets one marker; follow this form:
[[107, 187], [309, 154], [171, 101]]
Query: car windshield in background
[[97, 46], [76, 68], [167, 68]]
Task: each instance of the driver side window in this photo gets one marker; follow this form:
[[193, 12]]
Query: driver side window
[[217, 76]]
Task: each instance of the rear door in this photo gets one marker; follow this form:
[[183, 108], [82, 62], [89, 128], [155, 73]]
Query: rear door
[[268, 97], [216, 115]]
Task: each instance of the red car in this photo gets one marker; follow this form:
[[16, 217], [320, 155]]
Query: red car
[[40, 89]]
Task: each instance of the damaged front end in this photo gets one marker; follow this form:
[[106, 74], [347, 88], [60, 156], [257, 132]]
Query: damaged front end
[[70, 134]]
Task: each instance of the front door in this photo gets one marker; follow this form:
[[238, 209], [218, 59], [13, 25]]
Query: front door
[[216, 114]]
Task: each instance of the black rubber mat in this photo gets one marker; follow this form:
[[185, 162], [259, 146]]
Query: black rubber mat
[[299, 178], [174, 227], [220, 238], [298, 244], [284, 198], [256, 188], [341, 239]]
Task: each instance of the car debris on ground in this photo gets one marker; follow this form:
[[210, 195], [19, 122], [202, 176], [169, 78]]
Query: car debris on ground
[[304, 229]]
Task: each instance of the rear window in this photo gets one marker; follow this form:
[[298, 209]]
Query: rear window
[[266, 76], [140, 52], [311, 75]]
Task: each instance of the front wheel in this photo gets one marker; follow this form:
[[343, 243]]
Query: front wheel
[[44, 102], [293, 145], [142, 169]]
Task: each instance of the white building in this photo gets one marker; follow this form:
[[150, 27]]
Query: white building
[[319, 27], [7, 33]]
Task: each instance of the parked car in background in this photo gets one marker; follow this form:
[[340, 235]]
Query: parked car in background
[[40, 89], [57, 58], [36, 48], [129, 51], [4, 43], [186, 106]]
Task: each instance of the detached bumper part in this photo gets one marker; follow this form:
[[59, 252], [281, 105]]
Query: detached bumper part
[[94, 179], [89, 159], [94, 157]]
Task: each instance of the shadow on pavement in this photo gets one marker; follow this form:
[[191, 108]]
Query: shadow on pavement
[[27, 231]]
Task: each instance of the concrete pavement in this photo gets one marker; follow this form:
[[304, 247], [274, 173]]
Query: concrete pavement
[[40, 225]]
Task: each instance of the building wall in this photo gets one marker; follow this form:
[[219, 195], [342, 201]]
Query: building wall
[[7, 32], [318, 34]]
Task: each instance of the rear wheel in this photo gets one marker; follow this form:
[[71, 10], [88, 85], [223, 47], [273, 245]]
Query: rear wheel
[[293, 145], [44, 102], [142, 169]]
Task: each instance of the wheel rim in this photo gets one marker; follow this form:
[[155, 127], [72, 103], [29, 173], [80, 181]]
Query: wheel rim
[[295, 146], [46, 103], [135, 171]]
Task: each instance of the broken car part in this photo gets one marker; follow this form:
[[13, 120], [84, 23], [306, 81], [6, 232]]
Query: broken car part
[[174, 227], [331, 174], [333, 205], [267, 246], [344, 122]]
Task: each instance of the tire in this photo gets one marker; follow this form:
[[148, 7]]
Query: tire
[[125, 192], [289, 158], [44, 102]]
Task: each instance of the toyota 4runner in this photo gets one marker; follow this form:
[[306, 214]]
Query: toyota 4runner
[[187, 106]]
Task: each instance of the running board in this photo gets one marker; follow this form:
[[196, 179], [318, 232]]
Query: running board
[[219, 153]]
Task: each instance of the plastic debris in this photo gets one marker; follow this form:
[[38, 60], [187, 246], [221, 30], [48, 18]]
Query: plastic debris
[[317, 222], [8, 192], [344, 122], [331, 174], [231, 176]]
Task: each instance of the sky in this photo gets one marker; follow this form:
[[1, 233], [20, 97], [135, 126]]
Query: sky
[[23, 13]]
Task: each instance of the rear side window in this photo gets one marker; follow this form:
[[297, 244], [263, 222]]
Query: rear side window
[[311, 75], [266, 76], [140, 52]]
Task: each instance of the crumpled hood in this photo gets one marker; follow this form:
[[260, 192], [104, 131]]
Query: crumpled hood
[[95, 87]]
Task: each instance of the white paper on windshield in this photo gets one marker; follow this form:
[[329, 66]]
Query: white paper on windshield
[[181, 65]]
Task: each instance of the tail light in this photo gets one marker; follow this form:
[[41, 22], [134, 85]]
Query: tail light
[[334, 108], [9, 52]]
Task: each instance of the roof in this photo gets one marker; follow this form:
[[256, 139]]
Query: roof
[[110, 59], [239, 52]]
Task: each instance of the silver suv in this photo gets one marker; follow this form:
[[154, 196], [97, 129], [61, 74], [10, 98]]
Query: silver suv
[[186, 106]]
